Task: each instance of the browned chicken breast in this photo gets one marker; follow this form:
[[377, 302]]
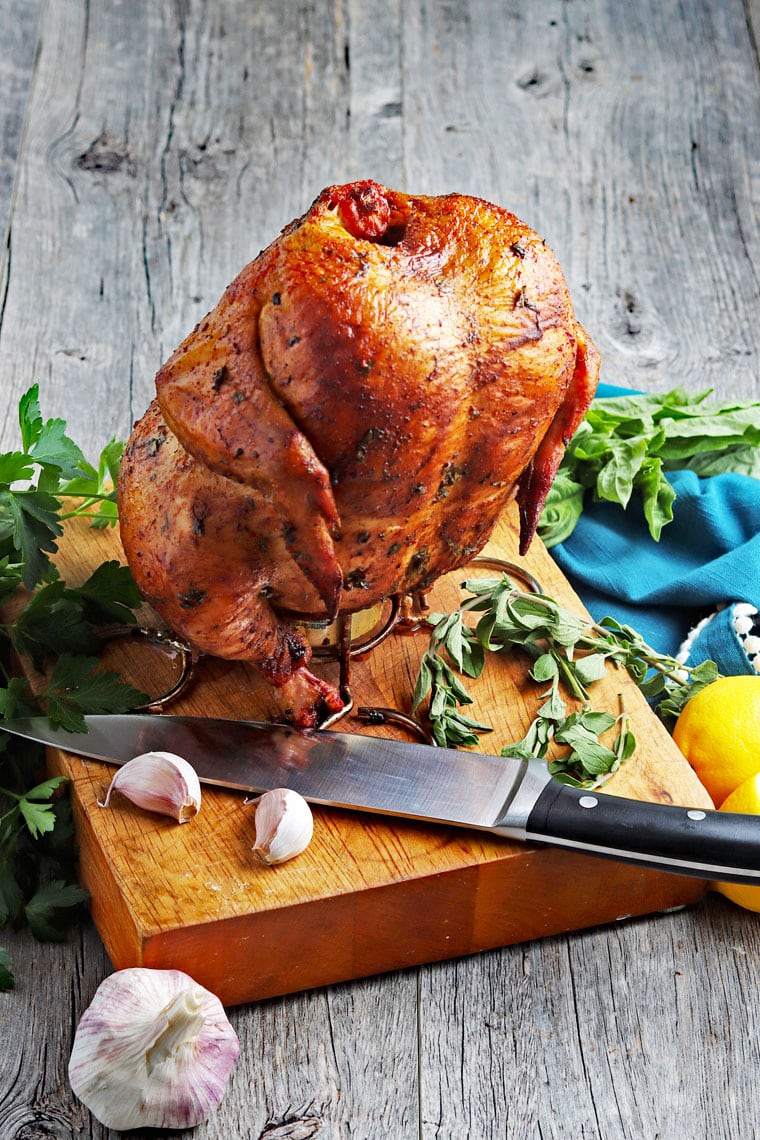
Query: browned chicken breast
[[349, 422]]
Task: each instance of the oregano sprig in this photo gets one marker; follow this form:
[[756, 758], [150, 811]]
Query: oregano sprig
[[569, 653]]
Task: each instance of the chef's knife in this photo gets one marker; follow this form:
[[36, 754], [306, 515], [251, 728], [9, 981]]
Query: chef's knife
[[516, 799]]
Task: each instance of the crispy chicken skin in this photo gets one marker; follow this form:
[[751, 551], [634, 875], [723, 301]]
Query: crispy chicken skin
[[350, 421]]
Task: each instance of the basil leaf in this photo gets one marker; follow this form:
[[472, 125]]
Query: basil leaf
[[624, 444]]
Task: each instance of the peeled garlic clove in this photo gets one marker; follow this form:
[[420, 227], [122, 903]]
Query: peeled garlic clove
[[161, 782], [284, 825], [153, 1050]]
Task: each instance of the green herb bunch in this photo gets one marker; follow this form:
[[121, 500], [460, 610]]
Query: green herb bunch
[[568, 655], [625, 446], [59, 628]]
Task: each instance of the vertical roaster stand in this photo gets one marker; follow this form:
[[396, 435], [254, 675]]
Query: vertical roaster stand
[[349, 636]]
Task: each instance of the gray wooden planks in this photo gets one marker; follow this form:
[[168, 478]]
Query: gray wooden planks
[[18, 37], [165, 144], [626, 134]]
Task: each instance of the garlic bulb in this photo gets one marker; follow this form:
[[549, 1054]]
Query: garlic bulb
[[284, 825], [153, 1050], [161, 782]]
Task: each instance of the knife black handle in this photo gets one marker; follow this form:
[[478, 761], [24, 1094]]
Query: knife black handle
[[689, 841]]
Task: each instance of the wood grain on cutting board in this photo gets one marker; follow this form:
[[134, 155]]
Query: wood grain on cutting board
[[370, 894]]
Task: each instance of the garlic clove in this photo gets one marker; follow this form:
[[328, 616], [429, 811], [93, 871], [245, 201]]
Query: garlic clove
[[153, 1050], [160, 782], [284, 826]]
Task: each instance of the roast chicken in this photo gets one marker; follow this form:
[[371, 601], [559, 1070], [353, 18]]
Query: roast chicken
[[349, 422]]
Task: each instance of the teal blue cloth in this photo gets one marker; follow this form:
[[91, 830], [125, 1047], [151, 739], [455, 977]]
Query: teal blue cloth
[[707, 557]]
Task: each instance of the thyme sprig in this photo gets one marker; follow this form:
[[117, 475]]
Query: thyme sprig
[[568, 653]]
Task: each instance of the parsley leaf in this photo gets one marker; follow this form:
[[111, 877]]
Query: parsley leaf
[[53, 448], [108, 596], [34, 528], [7, 981], [49, 908], [30, 417], [52, 622], [13, 699], [15, 466], [78, 686], [11, 896], [60, 619], [10, 577], [45, 441], [36, 809], [97, 486]]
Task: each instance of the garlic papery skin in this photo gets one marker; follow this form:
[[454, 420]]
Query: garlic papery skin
[[160, 782], [284, 826], [153, 1050]]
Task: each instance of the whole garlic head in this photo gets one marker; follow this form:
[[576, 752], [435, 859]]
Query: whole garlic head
[[284, 825], [153, 1050], [159, 781]]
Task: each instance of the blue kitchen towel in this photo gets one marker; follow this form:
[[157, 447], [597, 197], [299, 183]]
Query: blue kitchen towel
[[684, 586]]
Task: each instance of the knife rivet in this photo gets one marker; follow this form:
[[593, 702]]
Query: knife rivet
[[588, 801], [696, 814]]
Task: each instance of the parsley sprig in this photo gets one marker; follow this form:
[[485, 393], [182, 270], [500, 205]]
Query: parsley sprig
[[59, 628], [568, 653], [34, 482]]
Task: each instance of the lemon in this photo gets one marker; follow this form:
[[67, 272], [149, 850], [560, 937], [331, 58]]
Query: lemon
[[719, 734], [745, 798]]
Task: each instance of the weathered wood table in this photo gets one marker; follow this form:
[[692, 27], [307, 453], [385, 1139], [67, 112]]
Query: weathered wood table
[[147, 151]]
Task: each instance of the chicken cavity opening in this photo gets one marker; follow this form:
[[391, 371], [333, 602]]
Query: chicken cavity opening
[[366, 213]]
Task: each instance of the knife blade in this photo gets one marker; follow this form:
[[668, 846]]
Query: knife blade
[[511, 798]]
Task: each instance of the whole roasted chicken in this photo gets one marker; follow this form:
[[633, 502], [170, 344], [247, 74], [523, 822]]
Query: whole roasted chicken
[[349, 423]]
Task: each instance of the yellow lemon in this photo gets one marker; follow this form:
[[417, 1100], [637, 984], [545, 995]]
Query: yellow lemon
[[719, 734], [745, 798]]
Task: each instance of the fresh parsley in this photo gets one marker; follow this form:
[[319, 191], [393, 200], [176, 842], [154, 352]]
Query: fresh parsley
[[59, 628], [60, 620], [50, 469], [625, 446], [568, 655], [7, 981]]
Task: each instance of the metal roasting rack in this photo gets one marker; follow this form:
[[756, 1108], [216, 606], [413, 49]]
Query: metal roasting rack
[[349, 636]]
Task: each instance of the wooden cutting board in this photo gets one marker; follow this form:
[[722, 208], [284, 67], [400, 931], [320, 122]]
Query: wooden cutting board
[[370, 894]]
